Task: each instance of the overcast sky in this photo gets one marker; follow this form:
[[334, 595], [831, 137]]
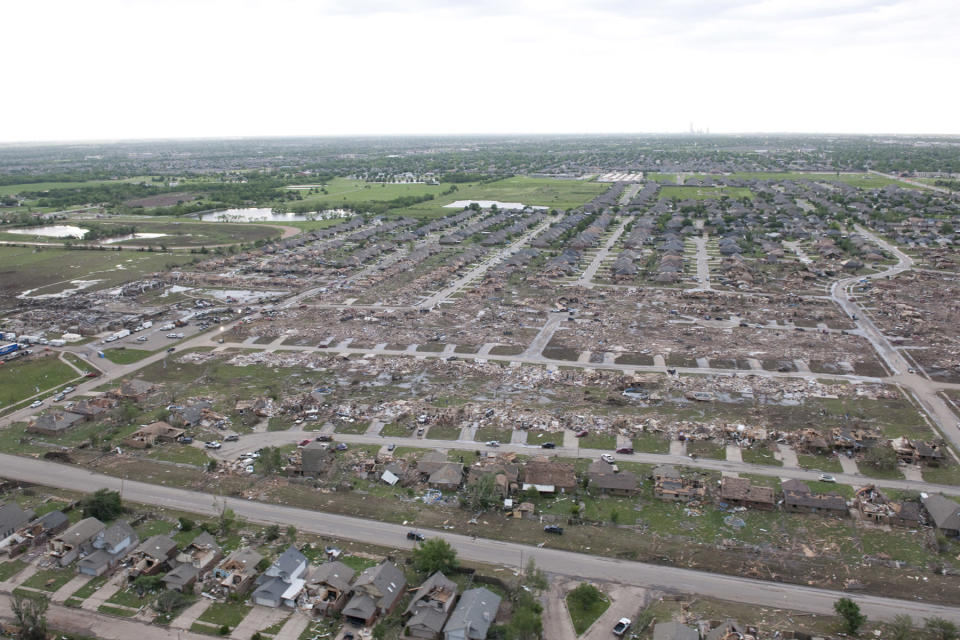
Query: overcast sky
[[113, 69]]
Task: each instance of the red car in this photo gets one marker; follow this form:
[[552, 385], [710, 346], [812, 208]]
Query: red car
[[304, 443], [581, 434], [625, 450]]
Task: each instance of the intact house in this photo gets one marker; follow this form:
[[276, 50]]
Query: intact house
[[670, 484], [153, 433], [238, 571], [430, 607], [111, 545], [329, 586], [376, 593], [740, 492], [68, 546], [152, 556], [472, 617], [181, 578], [798, 498], [547, 476], [283, 581], [945, 514], [608, 480]]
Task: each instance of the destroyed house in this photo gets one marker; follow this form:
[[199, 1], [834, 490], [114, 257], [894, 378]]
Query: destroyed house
[[505, 475], [448, 476], [46, 526], [547, 476], [376, 593], [430, 607], [181, 578], [874, 506], [944, 513], [90, 408], [315, 458], [153, 555], [431, 461], [670, 484], [136, 390], [68, 546], [674, 631], [740, 492], [153, 433], [798, 498], [238, 570], [12, 518], [329, 585], [604, 478], [190, 415], [472, 617], [202, 553]]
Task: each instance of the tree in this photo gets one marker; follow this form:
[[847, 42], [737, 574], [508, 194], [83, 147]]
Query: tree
[[946, 229], [186, 524], [272, 533], [585, 596], [881, 457], [170, 601], [30, 613], [940, 629], [533, 576], [850, 612], [102, 505], [434, 555], [148, 584], [292, 533], [482, 494], [901, 628], [227, 518]]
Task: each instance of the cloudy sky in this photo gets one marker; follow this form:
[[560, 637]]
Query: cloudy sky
[[112, 69]]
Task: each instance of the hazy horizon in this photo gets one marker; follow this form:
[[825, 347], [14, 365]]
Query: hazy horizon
[[115, 70]]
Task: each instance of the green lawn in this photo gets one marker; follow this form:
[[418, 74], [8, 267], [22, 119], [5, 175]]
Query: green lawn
[[438, 432], [706, 449], [355, 427], [651, 443], [944, 474], [396, 430], [22, 378], [11, 568], [584, 616], [116, 611], [225, 613], [760, 454], [49, 579], [598, 441], [538, 437], [179, 453], [881, 474], [129, 598], [485, 434], [126, 355], [545, 192], [89, 588], [829, 464]]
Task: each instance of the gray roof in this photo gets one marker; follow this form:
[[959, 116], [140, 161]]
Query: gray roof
[[246, 557], [474, 613], [52, 520], [674, 631], [205, 540], [287, 563], [361, 605], [945, 512], [95, 560], [336, 574], [181, 576], [431, 584], [430, 618], [386, 579], [158, 546], [271, 588], [12, 517], [116, 533], [81, 532]]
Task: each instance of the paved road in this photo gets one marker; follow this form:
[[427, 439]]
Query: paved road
[[586, 280], [703, 265], [254, 441], [758, 592], [931, 187]]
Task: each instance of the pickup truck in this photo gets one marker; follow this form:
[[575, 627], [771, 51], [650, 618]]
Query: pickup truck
[[621, 627]]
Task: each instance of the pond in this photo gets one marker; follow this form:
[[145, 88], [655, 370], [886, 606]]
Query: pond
[[51, 231], [486, 204], [264, 214]]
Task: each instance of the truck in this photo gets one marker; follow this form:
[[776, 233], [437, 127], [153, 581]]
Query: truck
[[29, 339], [8, 348], [123, 333], [147, 324], [57, 343], [180, 323]]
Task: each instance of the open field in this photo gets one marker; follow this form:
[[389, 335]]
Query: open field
[[44, 271], [544, 192], [176, 233], [22, 378], [702, 193]]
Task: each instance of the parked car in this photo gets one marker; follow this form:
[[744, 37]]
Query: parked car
[[304, 443], [35, 404], [391, 446], [233, 437], [609, 459], [493, 443], [68, 389], [91, 374], [186, 440], [581, 434], [552, 528], [548, 445], [414, 535], [213, 444], [142, 339], [171, 349], [625, 450], [324, 438], [621, 627], [342, 447], [824, 477]]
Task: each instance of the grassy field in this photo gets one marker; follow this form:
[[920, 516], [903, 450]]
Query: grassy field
[[49, 271], [13, 189], [176, 233], [861, 180], [225, 613], [544, 192], [704, 193], [125, 355], [21, 379], [583, 615], [342, 192], [49, 579], [11, 568]]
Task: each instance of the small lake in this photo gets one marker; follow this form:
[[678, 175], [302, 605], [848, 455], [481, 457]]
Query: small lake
[[263, 214], [52, 231], [486, 204]]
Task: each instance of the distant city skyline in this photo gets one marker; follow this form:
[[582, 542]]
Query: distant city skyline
[[145, 69]]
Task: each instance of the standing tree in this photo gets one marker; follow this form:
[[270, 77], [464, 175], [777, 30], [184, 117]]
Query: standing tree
[[102, 505], [850, 612], [434, 555], [940, 629], [482, 494], [31, 616], [901, 628]]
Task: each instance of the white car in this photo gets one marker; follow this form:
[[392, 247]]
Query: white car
[[606, 457], [213, 444], [166, 327], [493, 443], [827, 478], [142, 339], [35, 404]]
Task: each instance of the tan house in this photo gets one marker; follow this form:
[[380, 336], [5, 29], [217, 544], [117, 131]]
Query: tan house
[[153, 433]]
